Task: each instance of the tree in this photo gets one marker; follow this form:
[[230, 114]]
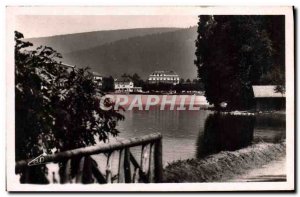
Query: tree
[[108, 84], [136, 79], [181, 81], [56, 107], [195, 81], [125, 75], [233, 53]]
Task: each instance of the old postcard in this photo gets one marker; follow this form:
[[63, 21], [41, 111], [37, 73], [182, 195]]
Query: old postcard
[[150, 99]]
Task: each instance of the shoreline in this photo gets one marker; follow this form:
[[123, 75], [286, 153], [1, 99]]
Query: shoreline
[[199, 100], [225, 165], [274, 171]]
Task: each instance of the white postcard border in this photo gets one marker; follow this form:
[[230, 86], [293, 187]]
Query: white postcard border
[[12, 180]]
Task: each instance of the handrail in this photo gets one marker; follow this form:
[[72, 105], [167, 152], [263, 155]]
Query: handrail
[[91, 150]]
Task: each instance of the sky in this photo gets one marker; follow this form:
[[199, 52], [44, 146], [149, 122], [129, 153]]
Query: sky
[[46, 25]]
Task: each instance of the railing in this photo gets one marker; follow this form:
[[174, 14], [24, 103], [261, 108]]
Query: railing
[[148, 170]]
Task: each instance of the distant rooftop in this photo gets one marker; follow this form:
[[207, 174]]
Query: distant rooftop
[[167, 72], [266, 92], [96, 74]]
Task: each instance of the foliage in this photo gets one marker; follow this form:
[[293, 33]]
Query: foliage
[[235, 52], [158, 87], [57, 107], [136, 79], [108, 84], [181, 81], [195, 85], [223, 132]]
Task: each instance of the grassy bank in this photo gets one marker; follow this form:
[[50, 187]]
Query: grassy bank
[[224, 165]]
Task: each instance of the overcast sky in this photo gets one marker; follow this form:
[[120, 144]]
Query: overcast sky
[[40, 26]]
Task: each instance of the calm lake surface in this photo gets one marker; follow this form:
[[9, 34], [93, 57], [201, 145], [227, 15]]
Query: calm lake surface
[[190, 134], [197, 134]]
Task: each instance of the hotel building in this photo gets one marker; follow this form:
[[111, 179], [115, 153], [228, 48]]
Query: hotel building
[[169, 77]]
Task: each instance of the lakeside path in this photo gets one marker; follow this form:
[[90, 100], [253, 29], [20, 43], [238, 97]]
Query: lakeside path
[[228, 166], [273, 171]]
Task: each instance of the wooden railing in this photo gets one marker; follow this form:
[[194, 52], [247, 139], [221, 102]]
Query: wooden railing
[[148, 170]]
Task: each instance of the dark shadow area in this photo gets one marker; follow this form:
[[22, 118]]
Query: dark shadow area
[[270, 128], [225, 133]]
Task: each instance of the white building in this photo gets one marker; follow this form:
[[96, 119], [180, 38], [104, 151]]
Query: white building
[[268, 98], [164, 77], [98, 79], [124, 85], [137, 89]]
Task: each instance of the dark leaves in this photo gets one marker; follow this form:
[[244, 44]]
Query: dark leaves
[[235, 52], [56, 107]]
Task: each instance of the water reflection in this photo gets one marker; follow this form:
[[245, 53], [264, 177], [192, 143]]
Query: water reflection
[[270, 128], [180, 129], [187, 134], [225, 133], [229, 132]]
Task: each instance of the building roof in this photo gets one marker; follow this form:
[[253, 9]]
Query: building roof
[[97, 74], [268, 91], [166, 72]]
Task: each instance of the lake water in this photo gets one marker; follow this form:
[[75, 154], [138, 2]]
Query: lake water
[[196, 134]]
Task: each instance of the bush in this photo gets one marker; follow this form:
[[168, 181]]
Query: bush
[[57, 107]]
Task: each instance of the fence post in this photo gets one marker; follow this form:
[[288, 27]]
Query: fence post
[[121, 171], [87, 171], [149, 173], [67, 172], [80, 170], [109, 168], [158, 168], [127, 170]]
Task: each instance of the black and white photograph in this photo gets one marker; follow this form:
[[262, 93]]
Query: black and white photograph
[[150, 99]]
